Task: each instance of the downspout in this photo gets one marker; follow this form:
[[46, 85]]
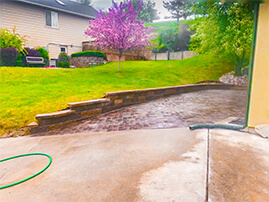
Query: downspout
[[233, 126], [250, 71]]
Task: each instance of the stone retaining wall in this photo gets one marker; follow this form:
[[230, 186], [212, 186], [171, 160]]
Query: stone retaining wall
[[86, 61], [113, 100]]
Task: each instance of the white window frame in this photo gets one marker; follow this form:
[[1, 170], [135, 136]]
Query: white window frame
[[54, 19]]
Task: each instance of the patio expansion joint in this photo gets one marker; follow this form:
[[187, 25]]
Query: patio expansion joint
[[207, 166]]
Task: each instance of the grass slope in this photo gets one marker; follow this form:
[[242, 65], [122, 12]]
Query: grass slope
[[26, 92], [162, 26]]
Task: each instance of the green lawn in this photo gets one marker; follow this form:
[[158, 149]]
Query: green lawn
[[26, 92], [162, 26]]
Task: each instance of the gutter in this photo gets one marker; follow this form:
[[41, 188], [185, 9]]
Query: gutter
[[58, 9], [62, 44]]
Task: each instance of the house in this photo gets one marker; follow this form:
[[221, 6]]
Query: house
[[57, 25]]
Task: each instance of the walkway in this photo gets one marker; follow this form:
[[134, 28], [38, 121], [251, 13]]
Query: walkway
[[171, 112]]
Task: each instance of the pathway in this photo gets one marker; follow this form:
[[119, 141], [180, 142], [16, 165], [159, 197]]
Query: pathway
[[170, 112]]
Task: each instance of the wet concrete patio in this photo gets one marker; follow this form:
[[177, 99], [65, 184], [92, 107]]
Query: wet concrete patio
[[139, 165]]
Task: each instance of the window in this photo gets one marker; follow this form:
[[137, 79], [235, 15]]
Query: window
[[63, 50], [52, 19]]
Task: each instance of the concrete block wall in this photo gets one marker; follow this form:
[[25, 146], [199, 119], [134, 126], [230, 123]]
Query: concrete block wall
[[86, 61], [112, 100]]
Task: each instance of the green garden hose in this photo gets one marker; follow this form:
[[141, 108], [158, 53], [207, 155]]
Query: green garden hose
[[216, 125], [28, 178]]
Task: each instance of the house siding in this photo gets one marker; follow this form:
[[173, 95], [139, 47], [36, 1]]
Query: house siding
[[29, 21], [259, 101]]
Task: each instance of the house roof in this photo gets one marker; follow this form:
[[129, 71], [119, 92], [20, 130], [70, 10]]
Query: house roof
[[66, 6]]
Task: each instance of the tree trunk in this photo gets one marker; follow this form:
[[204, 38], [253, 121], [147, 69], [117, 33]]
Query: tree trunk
[[120, 55], [119, 64], [177, 21]]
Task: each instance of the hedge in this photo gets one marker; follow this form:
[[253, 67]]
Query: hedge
[[89, 53], [8, 56]]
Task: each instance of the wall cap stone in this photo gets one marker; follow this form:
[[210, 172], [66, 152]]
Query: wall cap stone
[[55, 114], [32, 125], [107, 94], [87, 102]]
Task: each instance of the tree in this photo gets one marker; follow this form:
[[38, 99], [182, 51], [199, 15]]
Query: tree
[[179, 8], [12, 39], [225, 31], [200, 8], [175, 39], [85, 2], [147, 12], [169, 38], [119, 29]]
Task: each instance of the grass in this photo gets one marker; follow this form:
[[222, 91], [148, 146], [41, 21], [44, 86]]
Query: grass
[[26, 92], [162, 26]]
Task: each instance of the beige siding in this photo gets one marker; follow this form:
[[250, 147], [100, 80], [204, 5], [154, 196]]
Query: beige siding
[[259, 101], [30, 22]]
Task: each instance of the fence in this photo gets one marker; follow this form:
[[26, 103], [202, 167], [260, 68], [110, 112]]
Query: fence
[[172, 55]]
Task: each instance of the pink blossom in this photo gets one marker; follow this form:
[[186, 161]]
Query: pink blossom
[[119, 29]]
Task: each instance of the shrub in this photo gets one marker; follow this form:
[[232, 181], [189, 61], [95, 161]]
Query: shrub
[[63, 60], [11, 39], [30, 52], [89, 53], [43, 53], [19, 60], [8, 56]]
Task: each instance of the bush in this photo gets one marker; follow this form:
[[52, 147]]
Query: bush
[[11, 39], [89, 53], [19, 60], [43, 53], [63, 60], [8, 56], [30, 52]]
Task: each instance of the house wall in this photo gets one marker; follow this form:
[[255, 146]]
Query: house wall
[[259, 102], [29, 21]]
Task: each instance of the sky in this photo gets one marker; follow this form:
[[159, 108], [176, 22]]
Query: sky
[[105, 4]]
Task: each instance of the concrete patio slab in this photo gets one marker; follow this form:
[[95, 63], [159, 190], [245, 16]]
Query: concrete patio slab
[[239, 167], [140, 165], [144, 165]]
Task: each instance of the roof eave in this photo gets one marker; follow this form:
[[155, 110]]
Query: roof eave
[[58, 9]]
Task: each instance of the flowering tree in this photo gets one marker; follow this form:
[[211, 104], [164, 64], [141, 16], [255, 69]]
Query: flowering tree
[[119, 29]]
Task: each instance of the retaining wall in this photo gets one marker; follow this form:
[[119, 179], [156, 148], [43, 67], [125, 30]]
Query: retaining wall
[[86, 61], [112, 100]]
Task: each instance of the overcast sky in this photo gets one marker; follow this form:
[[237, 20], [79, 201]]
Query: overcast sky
[[105, 4]]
